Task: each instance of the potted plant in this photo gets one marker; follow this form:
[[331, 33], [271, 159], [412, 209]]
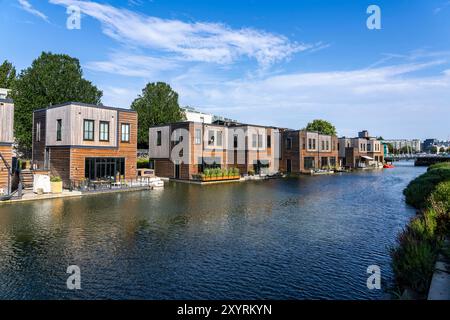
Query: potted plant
[[236, 172], [56, 184], [207, 173]]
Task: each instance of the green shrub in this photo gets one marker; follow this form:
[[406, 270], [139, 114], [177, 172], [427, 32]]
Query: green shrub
[[413, 263], [439, 165], [420, 189], [441, 194], [55, 179], [143, 164]]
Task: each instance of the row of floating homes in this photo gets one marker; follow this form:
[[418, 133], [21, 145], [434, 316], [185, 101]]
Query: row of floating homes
[[206, 145], [94, 144]]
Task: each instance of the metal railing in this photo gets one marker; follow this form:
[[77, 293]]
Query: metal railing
[[108, 185]]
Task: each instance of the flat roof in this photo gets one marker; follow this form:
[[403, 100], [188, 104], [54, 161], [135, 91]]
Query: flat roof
[[84, 105], [6, 100], [214, 124]]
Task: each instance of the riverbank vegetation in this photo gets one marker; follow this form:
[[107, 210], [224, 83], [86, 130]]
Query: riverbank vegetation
[[419, 243]]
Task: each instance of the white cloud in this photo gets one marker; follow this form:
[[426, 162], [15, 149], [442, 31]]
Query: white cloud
[[191, 41], [26, 5], [130, 65], [387, 100]]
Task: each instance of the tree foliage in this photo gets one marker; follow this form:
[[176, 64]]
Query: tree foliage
[[7, 74], [322, 126], [158, 104], [52, 79]]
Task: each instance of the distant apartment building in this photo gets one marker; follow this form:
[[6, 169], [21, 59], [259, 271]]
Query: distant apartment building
[[304, 151], [181, 150], [359, 152], [6, 143], [79, 142], [193, 115], [412, 146], [4, 93]]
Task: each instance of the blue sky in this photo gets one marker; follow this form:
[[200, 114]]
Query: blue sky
[[281, 63]]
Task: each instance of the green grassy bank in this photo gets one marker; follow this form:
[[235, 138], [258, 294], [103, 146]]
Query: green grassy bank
[[418, 245]]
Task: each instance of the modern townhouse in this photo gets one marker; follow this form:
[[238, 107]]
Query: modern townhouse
[[184, 149], [80, 142], [361, 152], [304, 151], [6, 144]]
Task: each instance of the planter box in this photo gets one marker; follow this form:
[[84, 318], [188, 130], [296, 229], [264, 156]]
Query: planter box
[[56, 187]]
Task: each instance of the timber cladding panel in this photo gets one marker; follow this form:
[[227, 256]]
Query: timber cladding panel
[[6, 152]]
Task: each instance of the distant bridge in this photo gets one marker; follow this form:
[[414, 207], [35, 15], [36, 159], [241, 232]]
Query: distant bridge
[[419, 159]]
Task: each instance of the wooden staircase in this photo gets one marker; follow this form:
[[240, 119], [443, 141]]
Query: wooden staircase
[[26, 177]]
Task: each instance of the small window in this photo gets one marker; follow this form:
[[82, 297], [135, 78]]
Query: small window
[[88, 134], [219, 138], [328, 145], [269, 141], [210, 137], [38, 131], [254, 140], [58, 130], [104, 131], [158, 138], [260, 141], [289, 143], [125, 132], [323, 145], [198, 136], [235, 140]]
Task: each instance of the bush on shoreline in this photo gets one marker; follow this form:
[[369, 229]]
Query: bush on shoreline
[[419, 243]]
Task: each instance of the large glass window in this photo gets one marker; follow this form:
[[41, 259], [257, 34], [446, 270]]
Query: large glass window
[[125, 132], [88, 130], [104, 131], [109, 169], [308, 163], [58, 130]]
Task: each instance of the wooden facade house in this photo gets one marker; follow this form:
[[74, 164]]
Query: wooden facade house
[[6, 144], [80, 142], [303, 151], [212, 145]]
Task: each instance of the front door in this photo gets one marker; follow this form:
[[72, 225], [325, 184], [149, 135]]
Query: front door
[[177, 171], [288, 166]]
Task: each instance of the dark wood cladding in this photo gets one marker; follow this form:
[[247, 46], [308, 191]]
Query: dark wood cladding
[[60, 163], [39, 146], [6, 152]]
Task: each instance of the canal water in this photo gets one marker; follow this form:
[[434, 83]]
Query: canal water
[[299, 238]]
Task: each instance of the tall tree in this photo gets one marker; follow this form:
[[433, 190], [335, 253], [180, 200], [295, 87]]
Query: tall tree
[[322, 126], [158, 104], [51, 79], [7, 74]]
